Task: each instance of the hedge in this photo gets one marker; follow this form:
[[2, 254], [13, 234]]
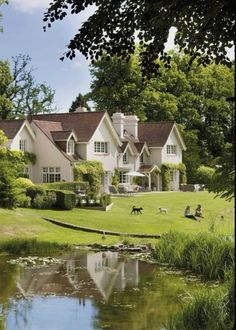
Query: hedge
[[71, 186], [66, 200]]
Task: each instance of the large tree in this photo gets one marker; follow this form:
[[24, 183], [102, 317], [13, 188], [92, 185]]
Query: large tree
[[20, 95], [196, 98], [204, 28]]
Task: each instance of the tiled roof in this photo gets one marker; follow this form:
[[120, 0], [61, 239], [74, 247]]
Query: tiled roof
[[83, 124], [11, 127], [60, 135], [139, 146], [155, 134], [147, 168]]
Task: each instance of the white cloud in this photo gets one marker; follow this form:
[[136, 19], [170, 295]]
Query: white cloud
[[30, 5]]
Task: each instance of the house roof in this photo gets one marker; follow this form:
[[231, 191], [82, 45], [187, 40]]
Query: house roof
[[83, 124], [11, 127], [155, 134], [148, 168], [61, 135]]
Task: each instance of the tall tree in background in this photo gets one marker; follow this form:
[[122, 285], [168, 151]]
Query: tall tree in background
[[80, 101], [195, 97], [20, 95], [204, 29]]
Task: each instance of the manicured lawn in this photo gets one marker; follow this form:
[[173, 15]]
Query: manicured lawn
[[27, 223]]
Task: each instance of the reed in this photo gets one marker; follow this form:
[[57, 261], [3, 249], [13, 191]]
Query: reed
[[24, 246], [207, 254]]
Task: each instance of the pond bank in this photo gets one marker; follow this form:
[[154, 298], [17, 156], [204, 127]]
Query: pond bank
[[99, 231]]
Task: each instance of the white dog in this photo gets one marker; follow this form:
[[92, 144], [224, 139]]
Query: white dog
[[162, 210]]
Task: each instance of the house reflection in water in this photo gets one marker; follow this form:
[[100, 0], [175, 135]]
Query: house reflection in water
[[84, 275]]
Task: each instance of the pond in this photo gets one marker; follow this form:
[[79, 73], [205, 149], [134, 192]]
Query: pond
[[89, 291]]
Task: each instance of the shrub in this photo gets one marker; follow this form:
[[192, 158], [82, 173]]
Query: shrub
[[23, 201], [35, 190], [23, 183], [205, 174], [105, 200], [66, 200], [71, 186], [44, 201]]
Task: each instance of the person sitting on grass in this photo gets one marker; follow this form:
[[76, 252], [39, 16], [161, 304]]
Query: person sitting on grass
[[187, 213], [198, 211]]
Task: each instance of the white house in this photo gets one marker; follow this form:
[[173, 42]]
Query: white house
[[60, 140]]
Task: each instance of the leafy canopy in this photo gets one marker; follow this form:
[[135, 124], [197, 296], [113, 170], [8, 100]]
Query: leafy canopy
[[204, 29], [20, 95]]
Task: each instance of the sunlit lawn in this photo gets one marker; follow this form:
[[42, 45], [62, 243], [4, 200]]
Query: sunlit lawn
[[27, 223]]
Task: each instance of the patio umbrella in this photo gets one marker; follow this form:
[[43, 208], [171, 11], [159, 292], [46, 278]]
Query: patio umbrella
[[134, 173]]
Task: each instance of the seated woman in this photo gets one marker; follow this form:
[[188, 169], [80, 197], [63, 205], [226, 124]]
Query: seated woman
[[188, 214], [198, 211]]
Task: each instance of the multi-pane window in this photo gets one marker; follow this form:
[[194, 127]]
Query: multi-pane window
[[125, 158], [141, 158], [100, 147], [71, 147], [171, 149], [51, 174], [173, 176], [22, 145], [123, 178]]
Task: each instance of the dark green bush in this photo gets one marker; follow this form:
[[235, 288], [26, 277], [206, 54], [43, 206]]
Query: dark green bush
[[35, 190], [71, 186], [44, 201], [105, 200], [65, 200]]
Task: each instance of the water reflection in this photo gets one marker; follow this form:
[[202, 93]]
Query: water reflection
[[88, 291]]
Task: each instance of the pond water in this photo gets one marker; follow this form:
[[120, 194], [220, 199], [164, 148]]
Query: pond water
[[88, 290]]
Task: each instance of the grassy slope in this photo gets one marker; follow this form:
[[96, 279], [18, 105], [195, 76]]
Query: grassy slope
[[27, 223]]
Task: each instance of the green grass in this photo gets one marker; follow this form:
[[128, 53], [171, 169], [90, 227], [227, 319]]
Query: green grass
[[27, 223]]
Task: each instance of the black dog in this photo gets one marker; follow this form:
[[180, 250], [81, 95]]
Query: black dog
[[136, 210]]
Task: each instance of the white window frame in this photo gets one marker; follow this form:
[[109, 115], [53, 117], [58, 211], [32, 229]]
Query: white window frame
[[173, 175], [171, 149], [51, 174], [100, 147], [125, 158], [22, 145], [123, 178], [141, 158], [71, 147]]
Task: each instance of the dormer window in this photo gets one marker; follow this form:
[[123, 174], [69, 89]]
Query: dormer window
[[22, 145], [171, 149], [71, 147], [125, 158], [141, 158]]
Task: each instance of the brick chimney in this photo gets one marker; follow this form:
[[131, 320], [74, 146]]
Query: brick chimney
[[118, 123]]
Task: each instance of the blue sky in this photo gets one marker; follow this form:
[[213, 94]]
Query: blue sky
[[23, 34]]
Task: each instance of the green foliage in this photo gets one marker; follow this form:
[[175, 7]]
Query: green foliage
[[205, 174], [105, 200], [22, 200], [7, 176], [30, 157], [90, 171], [20, 95], [204, 29], [80, 101], [209, 255], [65, 200], [72, 186], [23, 183], [26, 246], [207, 310], [223, 180], [165, 172], [35, 190], [115, 179], [44, 201]]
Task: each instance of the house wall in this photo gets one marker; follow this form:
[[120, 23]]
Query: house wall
[[176, 159], [49, 156], [109, 160], [23, 135], [156, 156]]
